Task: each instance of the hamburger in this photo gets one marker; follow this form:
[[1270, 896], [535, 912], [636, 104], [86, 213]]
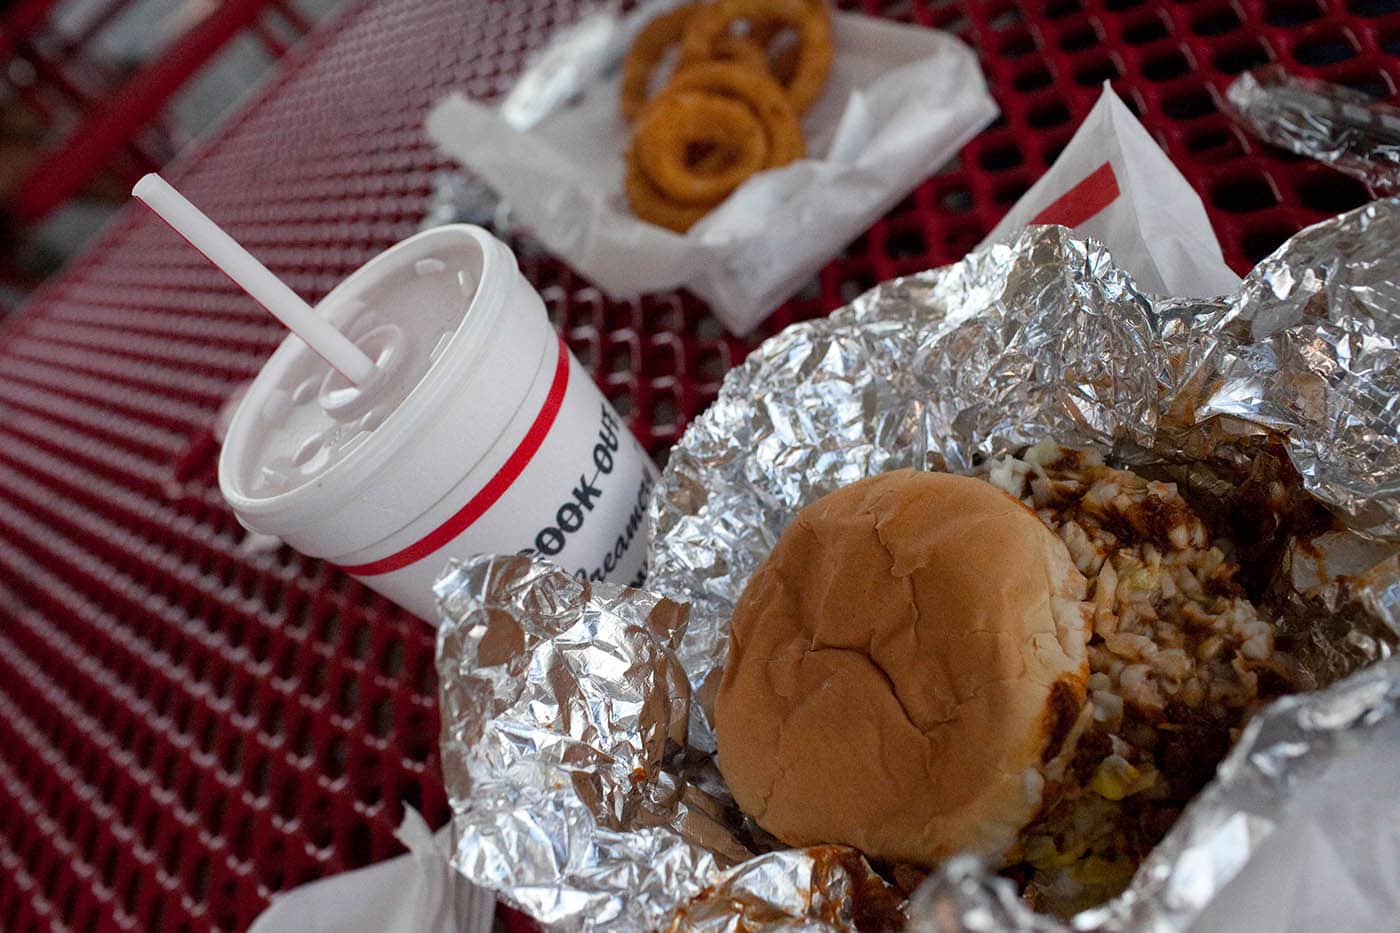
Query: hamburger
[[1039, 666]]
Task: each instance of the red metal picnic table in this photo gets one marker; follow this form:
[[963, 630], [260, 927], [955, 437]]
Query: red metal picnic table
[[188, 726]]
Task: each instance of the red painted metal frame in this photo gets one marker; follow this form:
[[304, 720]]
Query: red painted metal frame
[[20, 20], [111, 125]]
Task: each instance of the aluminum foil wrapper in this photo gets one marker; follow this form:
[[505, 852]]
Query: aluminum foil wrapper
[[817, 889], [577, 745], [1321, 362], [563, 728], [1332, 123]]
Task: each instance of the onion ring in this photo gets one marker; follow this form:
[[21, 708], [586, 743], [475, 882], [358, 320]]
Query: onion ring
[[646, 53], [782, 46], [810, 19], [678, 125], [783, 61], [654, 207], [763, 96], [741, 50]]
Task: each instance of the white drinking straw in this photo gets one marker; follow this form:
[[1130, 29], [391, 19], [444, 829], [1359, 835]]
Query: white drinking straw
[[254, 278]]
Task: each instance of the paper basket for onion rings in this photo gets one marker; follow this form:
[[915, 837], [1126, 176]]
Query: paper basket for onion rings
[[876, 132]]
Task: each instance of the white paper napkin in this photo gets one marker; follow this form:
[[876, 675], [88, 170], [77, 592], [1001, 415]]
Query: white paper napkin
[[415, 893], [900, 102]]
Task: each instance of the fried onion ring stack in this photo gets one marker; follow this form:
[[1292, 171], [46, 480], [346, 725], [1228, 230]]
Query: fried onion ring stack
[[746, 70]]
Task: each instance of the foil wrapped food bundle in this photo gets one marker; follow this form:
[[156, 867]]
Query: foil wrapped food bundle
[[577, 741], [1339, 125]]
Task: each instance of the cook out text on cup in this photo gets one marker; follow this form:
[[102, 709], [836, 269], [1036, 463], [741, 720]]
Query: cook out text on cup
[[476, 432]]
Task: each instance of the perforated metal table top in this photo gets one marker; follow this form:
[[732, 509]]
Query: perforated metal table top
[[187, 727]]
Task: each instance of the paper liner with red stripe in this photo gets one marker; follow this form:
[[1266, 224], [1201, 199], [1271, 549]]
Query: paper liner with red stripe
[[1083, 201]]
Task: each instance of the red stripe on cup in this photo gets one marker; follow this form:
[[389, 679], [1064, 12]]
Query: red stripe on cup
[[495, 487], [1083, 201]]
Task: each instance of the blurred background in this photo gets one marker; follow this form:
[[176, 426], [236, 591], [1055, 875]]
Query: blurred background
[[94, 93]]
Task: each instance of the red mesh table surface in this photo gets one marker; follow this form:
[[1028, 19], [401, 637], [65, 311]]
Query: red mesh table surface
[[186, 727]]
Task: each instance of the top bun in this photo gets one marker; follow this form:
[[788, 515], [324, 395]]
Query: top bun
[[898, 668]]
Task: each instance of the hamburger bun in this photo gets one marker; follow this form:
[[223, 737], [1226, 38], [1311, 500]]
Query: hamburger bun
[[899, 669]]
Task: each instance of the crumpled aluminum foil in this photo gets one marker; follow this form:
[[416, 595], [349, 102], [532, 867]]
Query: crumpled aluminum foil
[[563, 720], [1322, 362], [576, 741], [794, 890], [1332, 123]]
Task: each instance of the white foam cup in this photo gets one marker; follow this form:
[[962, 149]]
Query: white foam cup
[[477, 432]]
